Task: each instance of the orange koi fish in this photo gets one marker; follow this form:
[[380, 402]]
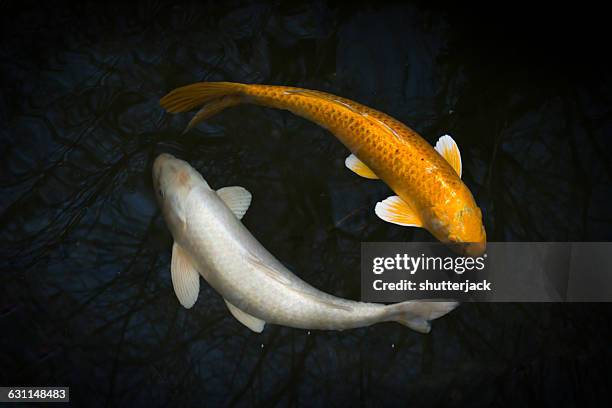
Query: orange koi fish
[[427, 180]]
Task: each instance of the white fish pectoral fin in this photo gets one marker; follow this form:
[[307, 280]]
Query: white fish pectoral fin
[[185, 277], [397, 211], [253, 323], [358, 167], [238, 199], [448, 149], [277, 275]]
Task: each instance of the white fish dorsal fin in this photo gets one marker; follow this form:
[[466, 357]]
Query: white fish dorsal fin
[[278, 276], [326, 302], [397, 211], [358, 167], [253, 323], [269, 270], [238, 199], [448, 149], [185, 277]]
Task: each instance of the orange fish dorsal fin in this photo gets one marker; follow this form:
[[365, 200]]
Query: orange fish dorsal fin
[[448, 149], [358, 167], [397, 211], [350, 106]]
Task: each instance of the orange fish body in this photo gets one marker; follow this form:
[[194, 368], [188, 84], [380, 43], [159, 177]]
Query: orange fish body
[[430, 193]]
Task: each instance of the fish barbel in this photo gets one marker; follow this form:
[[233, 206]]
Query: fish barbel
[[427, 181], [211, 241]]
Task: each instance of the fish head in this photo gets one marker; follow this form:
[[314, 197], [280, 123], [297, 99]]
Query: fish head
[[173, 180], [467, 234], [461, 228]]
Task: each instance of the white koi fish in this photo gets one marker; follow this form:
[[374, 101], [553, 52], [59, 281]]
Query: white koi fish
[[211, 241]]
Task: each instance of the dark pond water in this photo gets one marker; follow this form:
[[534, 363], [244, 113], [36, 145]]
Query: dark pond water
[[86, 298]]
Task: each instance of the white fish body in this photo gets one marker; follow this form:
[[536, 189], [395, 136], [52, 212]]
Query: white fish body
[[211, 241]]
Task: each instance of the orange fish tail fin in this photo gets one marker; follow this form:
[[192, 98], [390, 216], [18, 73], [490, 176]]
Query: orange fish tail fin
[[212, 108], [418, 314], [215, 96], [192, 96]]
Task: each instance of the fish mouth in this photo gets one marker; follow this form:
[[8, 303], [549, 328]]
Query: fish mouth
[[471, 249], [159, 164], [474, 249], [160, 161], [162, 158]]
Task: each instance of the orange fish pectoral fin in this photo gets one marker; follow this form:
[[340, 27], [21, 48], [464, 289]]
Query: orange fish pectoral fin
[[397, 211], [358, 167], [448, 149]]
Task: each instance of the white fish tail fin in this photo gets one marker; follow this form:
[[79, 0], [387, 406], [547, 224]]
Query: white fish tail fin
[[418, 314]]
